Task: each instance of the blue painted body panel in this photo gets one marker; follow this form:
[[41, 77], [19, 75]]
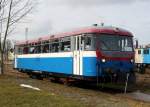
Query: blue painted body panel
[[146, 58], [58, 65], [65, 65], [90, 66]]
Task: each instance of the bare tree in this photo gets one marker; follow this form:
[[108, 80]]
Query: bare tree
[[11, 12]]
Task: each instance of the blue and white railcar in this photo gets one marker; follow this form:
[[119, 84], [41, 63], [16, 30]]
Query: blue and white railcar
[[142, 58], [91, 52]]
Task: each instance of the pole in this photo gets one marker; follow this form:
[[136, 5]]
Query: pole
[[126, 85], [0, 54], [26, 34]]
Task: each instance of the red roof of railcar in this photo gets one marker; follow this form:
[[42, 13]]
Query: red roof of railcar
[[108, 30]]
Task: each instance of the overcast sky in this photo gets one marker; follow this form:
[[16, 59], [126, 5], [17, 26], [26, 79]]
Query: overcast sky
[[52, 16]]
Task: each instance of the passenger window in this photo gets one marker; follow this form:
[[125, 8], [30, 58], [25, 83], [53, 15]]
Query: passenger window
[[20, 51], [37, 49], [46, 48], [65, 45], [25, 50], [55, 46], [139, 51], [87, 43], [31, 50], [146, 51]]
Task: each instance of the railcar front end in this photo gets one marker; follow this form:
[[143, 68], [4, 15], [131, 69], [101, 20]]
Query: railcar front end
[[112, 59], [96, 53]]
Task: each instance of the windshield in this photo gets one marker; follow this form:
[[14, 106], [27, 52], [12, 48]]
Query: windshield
[[114, 43]]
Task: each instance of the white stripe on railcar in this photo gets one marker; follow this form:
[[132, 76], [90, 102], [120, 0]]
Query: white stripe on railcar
[[61, 54], [44, 55], [88, 53]]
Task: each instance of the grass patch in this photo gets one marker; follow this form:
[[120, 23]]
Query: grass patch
[[12, 95]]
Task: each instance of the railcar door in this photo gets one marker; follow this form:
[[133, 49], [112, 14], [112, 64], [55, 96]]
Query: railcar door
[[77, 56]]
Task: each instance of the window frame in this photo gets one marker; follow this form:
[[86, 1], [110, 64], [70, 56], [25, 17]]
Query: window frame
[[139, 52]]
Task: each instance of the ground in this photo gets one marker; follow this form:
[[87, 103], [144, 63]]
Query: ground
[[59, 95]]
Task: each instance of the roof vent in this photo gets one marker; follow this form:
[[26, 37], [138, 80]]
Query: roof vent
[[102, 24], [117, 28], [95, 24]]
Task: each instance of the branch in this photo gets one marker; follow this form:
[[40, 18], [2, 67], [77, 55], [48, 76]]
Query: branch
[[4, 3], [19, 11], [10, 31], [19, 18], [15, 3], [15, 14]]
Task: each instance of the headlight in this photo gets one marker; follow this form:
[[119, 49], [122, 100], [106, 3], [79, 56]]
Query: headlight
[[132, 60], [103, 60]]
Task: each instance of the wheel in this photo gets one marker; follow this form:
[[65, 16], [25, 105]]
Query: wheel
[[36, 76], [142, 69]]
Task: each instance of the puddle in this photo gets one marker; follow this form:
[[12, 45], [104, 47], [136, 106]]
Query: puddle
[[140, 96]]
